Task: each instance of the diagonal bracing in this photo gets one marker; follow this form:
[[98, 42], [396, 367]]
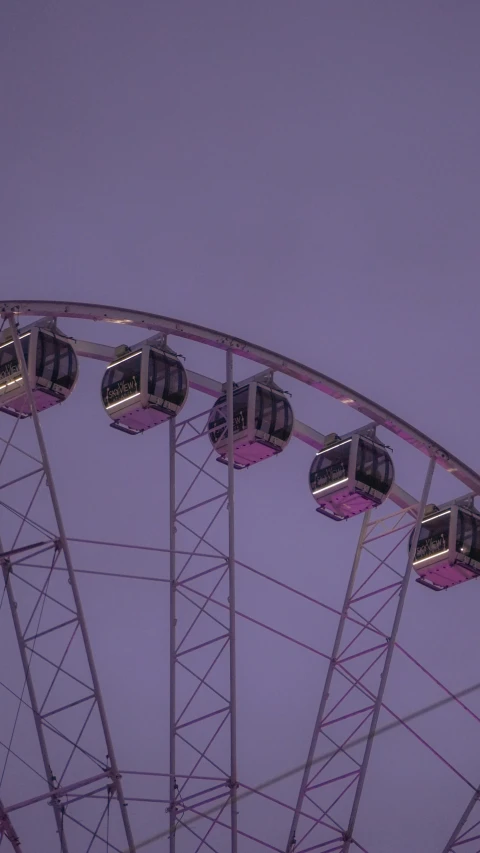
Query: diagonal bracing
[[7, 830], [465, 838], [60, 678], [355, 684], [202, 642]]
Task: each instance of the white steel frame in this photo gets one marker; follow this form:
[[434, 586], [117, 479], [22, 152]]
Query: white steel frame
[[57, 547], [335, 836], [192, 581], [7, 830], [465, 838]]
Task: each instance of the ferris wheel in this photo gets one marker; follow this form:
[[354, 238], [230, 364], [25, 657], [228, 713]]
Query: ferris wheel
[[66, 783]]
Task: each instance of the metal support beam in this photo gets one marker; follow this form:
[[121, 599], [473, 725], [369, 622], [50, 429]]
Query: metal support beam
[[173, 641], [203, 760], [56, 804], [27, 647], [466, 837], [231, 601], [7, 830], [388, 656], [344, 711], [327, 686]]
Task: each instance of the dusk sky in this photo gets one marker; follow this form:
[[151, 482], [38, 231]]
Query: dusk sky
[[304, 175]]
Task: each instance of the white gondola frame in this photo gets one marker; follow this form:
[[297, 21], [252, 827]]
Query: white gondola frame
[[46, 393], [144, 402], [262, 444], [350, 494], [450, 566]]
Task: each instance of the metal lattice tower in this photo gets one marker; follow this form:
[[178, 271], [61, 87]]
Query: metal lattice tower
[[202, 761], [358, 668], [70, 767]]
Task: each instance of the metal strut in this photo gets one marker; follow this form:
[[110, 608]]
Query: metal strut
[[471, 834], [326, 688], [202, 730], [173, 787], [389, 655], [352, 772], [231, 602], [7, 830], [76, 610], [56, 805]]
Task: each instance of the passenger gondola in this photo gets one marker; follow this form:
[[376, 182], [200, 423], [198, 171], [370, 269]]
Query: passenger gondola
[[262, 424], [52, 371], [350, 475], [143, 388], [448, 548]]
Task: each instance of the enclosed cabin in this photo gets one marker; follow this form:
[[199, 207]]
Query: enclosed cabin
[[143, 388], [448, 547], [52, 369], [351, 475], [262, 424]]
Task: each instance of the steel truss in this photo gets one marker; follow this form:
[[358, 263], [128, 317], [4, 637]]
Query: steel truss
[[80, 779], [466, 836], [355, 683], [7, 831], [203, 773], [61, 681]]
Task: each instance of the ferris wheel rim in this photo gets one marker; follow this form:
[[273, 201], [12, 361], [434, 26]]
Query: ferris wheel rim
[[263, 356]]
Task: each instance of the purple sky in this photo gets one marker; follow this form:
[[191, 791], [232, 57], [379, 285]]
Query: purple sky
[[304, 175]]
